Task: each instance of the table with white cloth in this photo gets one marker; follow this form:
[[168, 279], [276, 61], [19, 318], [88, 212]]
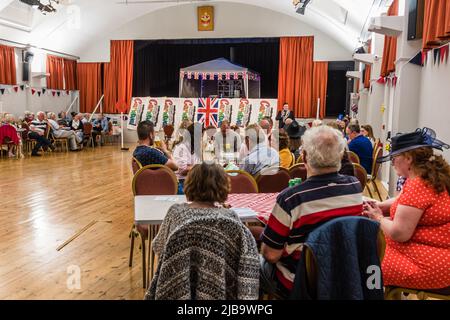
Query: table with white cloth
[[151, 211]]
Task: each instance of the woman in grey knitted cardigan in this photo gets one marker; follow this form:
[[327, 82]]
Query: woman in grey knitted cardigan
[[205, 252]]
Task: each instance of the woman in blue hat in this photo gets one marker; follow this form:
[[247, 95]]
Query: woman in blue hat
[[417, 222]]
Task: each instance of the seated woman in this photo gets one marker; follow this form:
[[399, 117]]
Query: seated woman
[[417, 222], [187, 151], [206, 187], [367, 132], [287, 158], [9, 134], [219, 258]]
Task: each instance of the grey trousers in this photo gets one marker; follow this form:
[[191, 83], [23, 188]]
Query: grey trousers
[[268, 280]]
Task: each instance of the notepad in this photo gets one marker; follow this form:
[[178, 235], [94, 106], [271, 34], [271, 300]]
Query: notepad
[[245, 213]]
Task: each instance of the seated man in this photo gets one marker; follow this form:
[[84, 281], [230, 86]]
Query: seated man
[[226, 141], [62, 132], [146, 154], [299, 210], [38, 128], [77, 126], [266, 124], [100, 128], [360, 145], [260, 155]]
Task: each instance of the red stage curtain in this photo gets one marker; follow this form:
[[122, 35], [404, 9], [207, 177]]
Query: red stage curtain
[[7, 65], [319, 89], [295, 74], [90, 85], [118, 75], [390, 46], [70, 74], [55, 66]]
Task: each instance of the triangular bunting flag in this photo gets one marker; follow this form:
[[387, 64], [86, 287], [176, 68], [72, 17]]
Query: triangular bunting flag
[[22, 87], [2, 91], [39, 93], [444, 53], [381, 80], [16, 89], [53, 93], [59, 93], [436, 56], [394, 81], [68, 92], [43, 91], [33, 91]]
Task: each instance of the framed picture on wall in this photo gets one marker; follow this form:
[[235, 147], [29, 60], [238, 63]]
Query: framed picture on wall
[[205, 18]]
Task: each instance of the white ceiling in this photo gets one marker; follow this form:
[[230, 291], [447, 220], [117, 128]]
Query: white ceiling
[[77, 23]]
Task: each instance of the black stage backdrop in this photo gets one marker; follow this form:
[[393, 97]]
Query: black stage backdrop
[[157, 63]]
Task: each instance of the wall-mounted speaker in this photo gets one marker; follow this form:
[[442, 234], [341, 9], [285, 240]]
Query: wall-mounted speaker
[[416, 17], [27, 59]]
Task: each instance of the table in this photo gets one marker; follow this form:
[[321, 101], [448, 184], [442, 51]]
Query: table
[[151, 210]]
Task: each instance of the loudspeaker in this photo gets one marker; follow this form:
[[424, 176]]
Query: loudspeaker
[[27, 58], [416, 17], [25, 71]]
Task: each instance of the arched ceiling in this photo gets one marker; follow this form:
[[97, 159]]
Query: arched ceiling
[[77, 23]]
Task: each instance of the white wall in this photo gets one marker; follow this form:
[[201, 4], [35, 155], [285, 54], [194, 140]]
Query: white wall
[[232, 20], [434, 109]]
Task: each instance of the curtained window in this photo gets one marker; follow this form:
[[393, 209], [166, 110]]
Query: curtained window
[[319, 89], [436, 28], [70, 74], [7, 65], [390, 46], [296, 74], [118, 75], [89, 84], [55, 67]]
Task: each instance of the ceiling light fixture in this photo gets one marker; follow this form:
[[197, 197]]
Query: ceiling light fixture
[[43, 8], [300, 5]]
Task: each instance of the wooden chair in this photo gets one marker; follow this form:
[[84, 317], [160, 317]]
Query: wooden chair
[[361, 174], [299, 160], [371, 178], [353, 157], [150, 180], [108, 137], [135, 165], [87, 132], [62, 142], [272, 180], [311, 264], [395, 293], [242, 182], [298, 171]]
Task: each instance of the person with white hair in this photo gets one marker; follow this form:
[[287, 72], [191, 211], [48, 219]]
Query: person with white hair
[[260, 155], [38, 128], [77, 126], [325, 195], [61, 132]]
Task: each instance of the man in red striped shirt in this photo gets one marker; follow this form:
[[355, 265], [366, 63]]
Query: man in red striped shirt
[[325, 195]]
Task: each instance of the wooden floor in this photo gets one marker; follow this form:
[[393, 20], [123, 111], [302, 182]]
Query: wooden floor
[[45, 201]]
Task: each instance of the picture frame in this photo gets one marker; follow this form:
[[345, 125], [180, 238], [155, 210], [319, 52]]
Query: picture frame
[[205, 18]]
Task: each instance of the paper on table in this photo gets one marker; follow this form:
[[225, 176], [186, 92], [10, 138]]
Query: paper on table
[[245, 213]]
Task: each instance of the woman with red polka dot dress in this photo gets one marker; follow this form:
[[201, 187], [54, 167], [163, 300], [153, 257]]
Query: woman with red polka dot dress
[[417, 222]]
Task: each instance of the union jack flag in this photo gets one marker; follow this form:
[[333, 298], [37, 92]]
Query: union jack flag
[[207, 112]]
